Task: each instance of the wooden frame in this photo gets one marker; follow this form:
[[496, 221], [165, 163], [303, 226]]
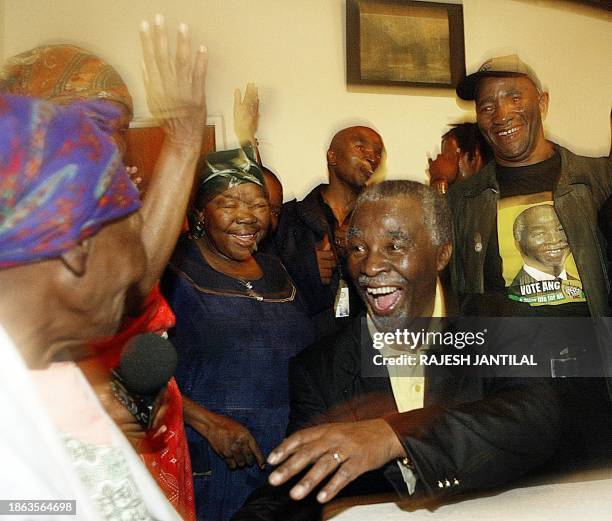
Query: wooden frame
[[403, 42], [144, 141]]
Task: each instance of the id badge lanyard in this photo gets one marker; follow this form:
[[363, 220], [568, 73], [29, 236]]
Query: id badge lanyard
[[342, 305]]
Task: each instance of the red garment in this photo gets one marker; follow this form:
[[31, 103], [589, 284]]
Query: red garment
[[166, 458]]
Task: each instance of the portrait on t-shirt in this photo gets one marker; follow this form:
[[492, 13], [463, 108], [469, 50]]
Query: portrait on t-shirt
[[537, 264]]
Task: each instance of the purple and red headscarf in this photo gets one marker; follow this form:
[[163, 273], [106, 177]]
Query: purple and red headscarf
[[61, 180]]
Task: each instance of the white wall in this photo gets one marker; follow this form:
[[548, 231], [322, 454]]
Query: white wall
[[294, 51], [1, 29]]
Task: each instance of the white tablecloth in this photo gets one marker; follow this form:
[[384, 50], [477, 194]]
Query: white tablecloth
[[576, 501]]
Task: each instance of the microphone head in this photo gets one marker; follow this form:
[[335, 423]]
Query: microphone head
[[147, 363]]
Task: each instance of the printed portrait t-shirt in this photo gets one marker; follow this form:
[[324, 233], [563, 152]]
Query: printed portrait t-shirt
[[530, 259]]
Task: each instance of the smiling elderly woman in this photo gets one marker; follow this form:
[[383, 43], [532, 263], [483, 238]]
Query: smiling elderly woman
[[238, 321]]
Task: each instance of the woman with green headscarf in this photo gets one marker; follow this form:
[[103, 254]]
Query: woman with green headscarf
[[238, 321]]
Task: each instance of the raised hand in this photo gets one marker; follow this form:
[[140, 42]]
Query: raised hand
[[175, 88], [176, 98], [246, 114], [343, 451]]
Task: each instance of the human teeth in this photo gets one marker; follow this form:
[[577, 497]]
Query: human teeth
[[381, 291], [508, 132]]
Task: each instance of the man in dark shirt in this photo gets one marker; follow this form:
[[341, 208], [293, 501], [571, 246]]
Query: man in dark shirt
[[529, 171], [311, 233]]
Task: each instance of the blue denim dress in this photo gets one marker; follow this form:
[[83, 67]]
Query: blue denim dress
[[234, 339]]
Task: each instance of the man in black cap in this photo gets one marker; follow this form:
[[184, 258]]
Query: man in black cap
[[528, 170]]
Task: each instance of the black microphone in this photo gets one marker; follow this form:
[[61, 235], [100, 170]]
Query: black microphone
[[147, 363]]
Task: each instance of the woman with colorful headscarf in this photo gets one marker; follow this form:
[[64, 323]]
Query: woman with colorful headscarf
[[66, 74], [238, 321], [71, 76], [70, 249]]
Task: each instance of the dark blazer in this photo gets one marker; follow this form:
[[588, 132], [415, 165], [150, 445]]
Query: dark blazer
[[584, 185], [471, 434], [302, 225]]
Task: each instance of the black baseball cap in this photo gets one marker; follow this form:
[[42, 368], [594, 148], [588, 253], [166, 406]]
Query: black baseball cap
[[500, 66]]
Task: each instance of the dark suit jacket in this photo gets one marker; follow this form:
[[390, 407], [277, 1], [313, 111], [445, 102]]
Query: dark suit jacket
[[471, 434], [302, 225]]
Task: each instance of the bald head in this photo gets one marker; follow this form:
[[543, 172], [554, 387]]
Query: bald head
[[354, 155], [348, 132]]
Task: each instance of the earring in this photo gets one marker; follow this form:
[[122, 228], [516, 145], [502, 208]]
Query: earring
[[196, 226]]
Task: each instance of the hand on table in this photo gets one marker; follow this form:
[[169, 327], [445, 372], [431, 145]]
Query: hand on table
[[343, 451]]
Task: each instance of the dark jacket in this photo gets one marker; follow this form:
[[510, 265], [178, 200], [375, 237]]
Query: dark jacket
[[584, 185], [471, 434], [302, 225]]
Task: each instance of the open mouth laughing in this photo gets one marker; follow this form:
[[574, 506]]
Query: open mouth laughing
[[383, 299], [246, 240]]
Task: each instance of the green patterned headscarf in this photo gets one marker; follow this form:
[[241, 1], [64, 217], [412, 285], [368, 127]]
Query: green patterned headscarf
[[221, 171], [224, 170]]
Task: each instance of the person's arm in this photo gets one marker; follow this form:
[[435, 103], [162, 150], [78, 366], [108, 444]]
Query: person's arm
[[246, 117], [229, 439], [176, 98], [485, 443], [343, 451], [604, 179], [475, 445], [99, 377]]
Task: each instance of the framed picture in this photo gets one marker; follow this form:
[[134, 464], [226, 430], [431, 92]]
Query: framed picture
[[401, 42], [144, 141]]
